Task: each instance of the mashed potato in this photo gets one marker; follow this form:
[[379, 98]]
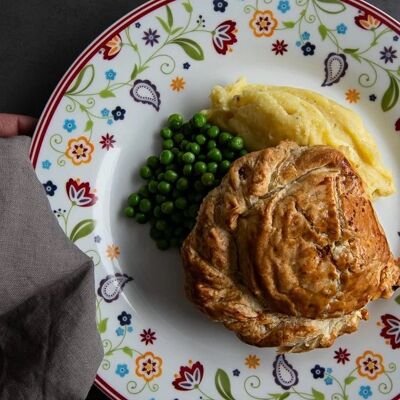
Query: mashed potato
[[266, 115]]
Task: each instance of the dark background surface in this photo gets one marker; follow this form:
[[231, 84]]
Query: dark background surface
[[41, 38]]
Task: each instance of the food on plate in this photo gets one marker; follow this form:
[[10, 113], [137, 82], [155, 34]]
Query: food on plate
[[194, 157], [287, 251], [265, 115]]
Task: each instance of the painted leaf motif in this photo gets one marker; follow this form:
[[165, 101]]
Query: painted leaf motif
[[82, 229], [330, 6], [164, 25], [188, 7], [317, 395], [128, 351], [83, 81], [323, 31], [170, 17], [176, 30], [397, 299], [289, 24], [284, 396], [190, 47], [349, 380], [223, 385], [106, 93], [391, 96], [137, 70], [102, 325], [89, 125]]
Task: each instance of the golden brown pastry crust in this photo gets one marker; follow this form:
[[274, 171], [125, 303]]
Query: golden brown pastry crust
[[287, 251]]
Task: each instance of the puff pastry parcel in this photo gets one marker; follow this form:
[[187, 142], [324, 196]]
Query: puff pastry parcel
[[288, 251]]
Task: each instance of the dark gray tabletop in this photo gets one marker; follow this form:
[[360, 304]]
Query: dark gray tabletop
[[41, 38]]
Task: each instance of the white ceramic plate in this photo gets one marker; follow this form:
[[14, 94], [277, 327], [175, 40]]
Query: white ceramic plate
[[102, 121]]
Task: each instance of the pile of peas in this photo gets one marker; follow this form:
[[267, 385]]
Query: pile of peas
[[195, 156]]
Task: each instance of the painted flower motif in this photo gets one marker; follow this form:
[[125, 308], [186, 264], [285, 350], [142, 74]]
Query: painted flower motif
[[341, 29], [220, 5], [130, 329], [252, 361], [186, 65], [224, 36], [189, 377], [365, 392], [148, 366], [112, 47], [97, 239], [236, 372], [122, 370], [342, 356], [46, 164], [372, 97], [388, 54], [118, 113], [279, 47], [79, 150], [105, 112], [367, 21], [107, 142], [370, 365], [50, 188], [328, 380], [110, 74], [69, 125], [353, 96], [113, 251], [395, 38], [80, 193], [263, 23], [397, 127], [177, 84], [137, 25], [318, 372], [124, 318], [298, 43], [305, 36], [151, 37], [283, 6], [308, 49], [110, 121], [391, 329], [120, 331], [148, 336]]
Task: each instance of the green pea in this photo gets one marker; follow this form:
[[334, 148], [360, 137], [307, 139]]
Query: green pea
[[167, 207], [194, 148], [224, 166], [152, 161], [164, 187], [168, 144], [183, 144], [175, 121], [141, 218], [207, 179], [134, 199], [177, 218], [163, 244], [160, 176], [236, 143], [187, 170], [152, 186], [129, 212], [200, 167], [166, 133], [170, 176], [213, 132], [174, 242], [171, 167], [157, 211], [166, 157], [160, 198], [155, 233], [228, 154], [181, 203], [205, 128], [145, 205], [199, 120], [193, 209], [188, 158], [212, 167], [212, 144], [159, 170], [201, 157], [179, 230], [175, 151], [243, 152], [200, 139], [182, 184], [144, 192], [161, 224], [198, 186], [224, 137], [178, 138], [176, 193], [214, 155]]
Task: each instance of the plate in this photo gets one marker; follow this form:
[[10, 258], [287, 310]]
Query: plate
[[102, 122]]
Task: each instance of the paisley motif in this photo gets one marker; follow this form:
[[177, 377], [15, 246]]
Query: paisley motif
[[284, 373], [143, 91], [335, 68], [112, 285]]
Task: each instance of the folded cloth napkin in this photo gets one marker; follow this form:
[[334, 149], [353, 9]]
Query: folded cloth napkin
[[49, 344]]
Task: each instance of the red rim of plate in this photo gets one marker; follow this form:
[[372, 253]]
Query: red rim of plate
[[93, 48]]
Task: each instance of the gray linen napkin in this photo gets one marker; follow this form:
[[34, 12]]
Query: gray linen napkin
[[49, 345]]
